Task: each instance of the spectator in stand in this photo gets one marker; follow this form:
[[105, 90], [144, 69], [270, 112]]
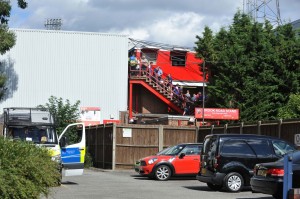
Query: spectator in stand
[[200, 97], [133, 63], [150, 68], [169, 83], [159, 73], [155, 73], [144, 64], [188, 95], [176, 91], [194, 98], [186, 109]]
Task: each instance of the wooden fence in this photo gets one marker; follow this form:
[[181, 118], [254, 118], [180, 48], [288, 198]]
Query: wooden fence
[[119, 146]]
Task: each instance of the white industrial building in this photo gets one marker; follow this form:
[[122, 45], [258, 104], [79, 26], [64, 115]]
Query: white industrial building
[[86, 66]]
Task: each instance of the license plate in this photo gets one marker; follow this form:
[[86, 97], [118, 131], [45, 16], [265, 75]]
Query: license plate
[[203, 171], [262, 173]]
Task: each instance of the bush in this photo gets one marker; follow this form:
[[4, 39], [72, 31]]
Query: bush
[[26, 171], [88, 160]]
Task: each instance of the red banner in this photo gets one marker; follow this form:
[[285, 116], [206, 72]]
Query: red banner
[[217, 113]]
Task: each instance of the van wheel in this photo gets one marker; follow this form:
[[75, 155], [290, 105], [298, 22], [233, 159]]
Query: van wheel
[[233, 182], [162, 172], [214, 186]]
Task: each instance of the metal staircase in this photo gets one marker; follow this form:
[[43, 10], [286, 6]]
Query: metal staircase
[[162, 91]]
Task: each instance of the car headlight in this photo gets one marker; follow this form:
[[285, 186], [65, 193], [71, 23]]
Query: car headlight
[[56, 158], [151, 161]]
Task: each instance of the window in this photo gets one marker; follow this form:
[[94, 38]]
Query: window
[[174, 150], [150, 54], [210, 146], [236, 148], [261, 147], [281, 147], [192, 150], [178, 58]]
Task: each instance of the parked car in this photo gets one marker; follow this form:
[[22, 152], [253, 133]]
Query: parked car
[[268, 177], [181, 159], [227, 160]]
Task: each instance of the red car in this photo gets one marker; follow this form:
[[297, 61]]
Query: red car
[[182, 159]]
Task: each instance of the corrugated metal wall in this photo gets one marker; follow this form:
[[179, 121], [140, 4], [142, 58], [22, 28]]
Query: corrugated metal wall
[[90, 67]]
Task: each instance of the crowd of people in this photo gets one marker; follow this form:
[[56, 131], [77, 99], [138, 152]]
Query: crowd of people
[[187, 101]]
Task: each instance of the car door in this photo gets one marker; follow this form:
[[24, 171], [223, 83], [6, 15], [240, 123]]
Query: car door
[[188, 162], [73, 151]]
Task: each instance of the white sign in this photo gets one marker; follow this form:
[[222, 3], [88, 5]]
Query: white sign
[[127, 133], [90, 115], [297, 139]]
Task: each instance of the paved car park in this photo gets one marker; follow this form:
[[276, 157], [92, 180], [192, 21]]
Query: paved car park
[[128, 184]]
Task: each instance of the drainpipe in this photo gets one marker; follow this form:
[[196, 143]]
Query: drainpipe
[[130, 101]]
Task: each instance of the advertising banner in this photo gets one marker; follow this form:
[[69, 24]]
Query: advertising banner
[[90, 115], [217, 113]]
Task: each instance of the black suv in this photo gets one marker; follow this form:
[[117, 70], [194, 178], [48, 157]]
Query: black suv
[[228, 160]]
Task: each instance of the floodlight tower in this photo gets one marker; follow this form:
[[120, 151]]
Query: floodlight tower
[[53, 24], [261, 10]]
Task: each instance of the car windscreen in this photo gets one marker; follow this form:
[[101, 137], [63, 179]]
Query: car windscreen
[[174, 150], [35, 134]]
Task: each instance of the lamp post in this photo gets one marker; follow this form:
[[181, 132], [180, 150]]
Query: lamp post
[[203, 92]]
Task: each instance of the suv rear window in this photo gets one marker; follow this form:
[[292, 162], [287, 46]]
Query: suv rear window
[[210, 146]]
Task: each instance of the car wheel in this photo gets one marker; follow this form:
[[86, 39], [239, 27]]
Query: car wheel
[[162, 172], [233, 182], [214, 186]]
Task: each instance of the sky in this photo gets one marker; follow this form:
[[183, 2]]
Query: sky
[[175, 22]]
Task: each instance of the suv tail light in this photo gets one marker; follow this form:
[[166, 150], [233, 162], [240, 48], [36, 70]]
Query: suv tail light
[[216, 161], [275, 172]]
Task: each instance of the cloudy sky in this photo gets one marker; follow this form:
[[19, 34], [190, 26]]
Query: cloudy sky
[[174, 22]]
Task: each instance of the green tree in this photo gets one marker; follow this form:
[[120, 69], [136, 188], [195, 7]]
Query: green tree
[[253, 67], [292, 109], [64, 113], [7, 37]]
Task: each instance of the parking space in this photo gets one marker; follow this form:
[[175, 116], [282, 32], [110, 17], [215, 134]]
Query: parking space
[[128, 184]]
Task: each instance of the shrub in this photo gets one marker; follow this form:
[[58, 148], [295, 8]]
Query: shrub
[[26, 171], [88, 160]]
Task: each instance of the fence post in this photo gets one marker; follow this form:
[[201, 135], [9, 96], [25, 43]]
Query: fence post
[[114, 147], [258, 127], [212, 129], [279, 128], [241, 127], [103, 147], [225, 128], [160, 137]]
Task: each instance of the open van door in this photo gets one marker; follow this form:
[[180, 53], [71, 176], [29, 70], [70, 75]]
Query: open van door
[[73, 146]]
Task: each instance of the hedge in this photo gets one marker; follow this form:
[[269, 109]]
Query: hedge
[[26, 170]]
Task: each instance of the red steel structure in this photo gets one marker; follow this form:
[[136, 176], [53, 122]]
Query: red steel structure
[[181, 63]]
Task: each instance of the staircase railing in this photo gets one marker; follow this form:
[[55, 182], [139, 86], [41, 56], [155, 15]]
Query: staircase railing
[[166, 90]]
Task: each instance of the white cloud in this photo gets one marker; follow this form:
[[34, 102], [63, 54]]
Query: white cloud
[[174, 22]]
